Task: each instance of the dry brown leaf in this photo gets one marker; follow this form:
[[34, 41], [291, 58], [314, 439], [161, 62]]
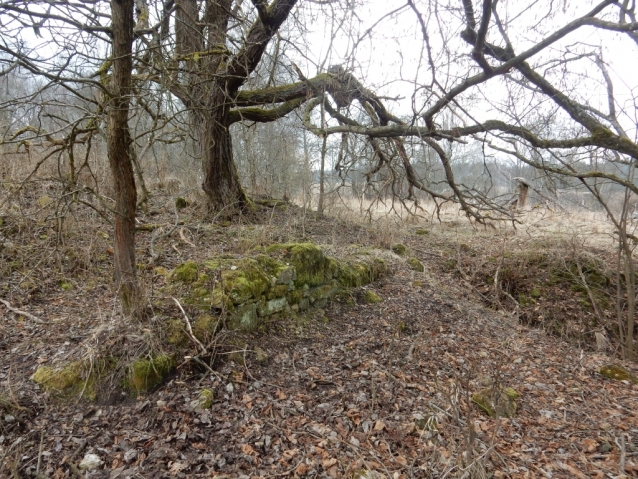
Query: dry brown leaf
[[589, 444], [327, 463], [301, 469], [248, 450], [571, 469], [290, 453]]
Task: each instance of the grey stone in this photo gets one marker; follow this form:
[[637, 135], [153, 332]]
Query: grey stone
[[320, 303], [245, 317], [287, 275], [273, 306]]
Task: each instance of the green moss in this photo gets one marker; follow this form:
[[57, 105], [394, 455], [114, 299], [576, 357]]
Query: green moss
[[66, 286], [399, 249], [325, 291], [333, 268], [294, 297], [535, 293], [145, 374], [184, 273], [494, 403], [202, 280], [421, 232], [181, 203], [416, 265], [205, 326], [270, 265], [246, 282], [618, 373], [44, 201], [595, 277], [371, 297], [312, 267], [277, 291], [175, 333], [58, 379], [450, 264], [241, 280], [355, 273], [76, 378], [206, 398]]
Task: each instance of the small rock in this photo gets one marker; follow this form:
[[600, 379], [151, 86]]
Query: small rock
[[494, 403], [262, 356], [614, 371], [90, 462], [130, 455], [204, 401]]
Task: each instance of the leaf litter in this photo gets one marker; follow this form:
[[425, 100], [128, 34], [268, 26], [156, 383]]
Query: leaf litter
[[379, 390]]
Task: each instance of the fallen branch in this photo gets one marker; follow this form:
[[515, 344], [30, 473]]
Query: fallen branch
[[181, 235], [33, 318], [190, 329], [153, 226]]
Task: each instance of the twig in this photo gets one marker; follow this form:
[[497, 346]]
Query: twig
[[155, 237], [33, 318], [69, 461], [410, 352], [183, 237], [623, 451], [289, 471], [153, 226], [190, 329], [199, 361], [37, 469]]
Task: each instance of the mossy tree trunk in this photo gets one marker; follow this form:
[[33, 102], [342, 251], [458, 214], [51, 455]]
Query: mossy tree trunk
[[212, 78], [118, 144]]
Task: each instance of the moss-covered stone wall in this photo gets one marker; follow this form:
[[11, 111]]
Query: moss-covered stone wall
[[284, 277]]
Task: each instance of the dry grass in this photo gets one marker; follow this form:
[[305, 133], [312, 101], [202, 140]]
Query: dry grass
[[54, 239]]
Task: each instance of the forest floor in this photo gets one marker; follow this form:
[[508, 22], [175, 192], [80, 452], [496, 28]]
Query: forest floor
[[379, 390]]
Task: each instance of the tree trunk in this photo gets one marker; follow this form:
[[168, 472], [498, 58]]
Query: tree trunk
[[118, 144], [222, 185]]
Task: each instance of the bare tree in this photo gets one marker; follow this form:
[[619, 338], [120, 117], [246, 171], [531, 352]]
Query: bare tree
[[534, 91], [65, 51], [119, 143]]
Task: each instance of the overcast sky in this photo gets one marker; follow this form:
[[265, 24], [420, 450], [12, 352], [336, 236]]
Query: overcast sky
[[392, 60]]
